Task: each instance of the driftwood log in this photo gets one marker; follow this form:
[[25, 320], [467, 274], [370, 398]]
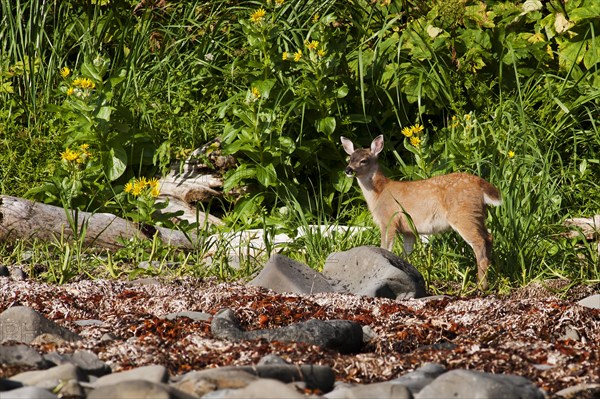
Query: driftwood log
[[196, 181], [21, 219], [589, 227]]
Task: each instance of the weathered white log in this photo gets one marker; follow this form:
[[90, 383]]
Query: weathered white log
[[21, 219], [185, 190], [589, 227]]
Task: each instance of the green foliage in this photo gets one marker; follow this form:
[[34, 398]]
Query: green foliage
[[507, 90]]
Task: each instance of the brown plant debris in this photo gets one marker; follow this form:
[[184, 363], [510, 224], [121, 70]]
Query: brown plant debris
[[522, 336]]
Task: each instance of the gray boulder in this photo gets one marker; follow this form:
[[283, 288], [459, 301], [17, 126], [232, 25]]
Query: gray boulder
[[152, 373], [51, 378], [282, 274], [477, 384], [199, 383], [29, 393], [580, 391], [22, 355], [374, 272], [592, 301], [260, 389], [377, 390], [89, 363], [421, 377], [342, 335], [23, 324], [138, 389]]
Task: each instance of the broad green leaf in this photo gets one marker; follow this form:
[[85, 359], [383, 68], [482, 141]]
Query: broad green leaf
[[342, 91], [88, 69], [326, 125], [266, 175], [342, 183], [104, 113], [590, 11], [235, 177], [115, 162]]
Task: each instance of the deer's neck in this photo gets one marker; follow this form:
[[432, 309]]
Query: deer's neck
[[372, 185]]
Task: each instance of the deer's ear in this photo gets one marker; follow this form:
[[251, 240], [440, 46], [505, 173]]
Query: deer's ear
[[377, 145], [347, 144]]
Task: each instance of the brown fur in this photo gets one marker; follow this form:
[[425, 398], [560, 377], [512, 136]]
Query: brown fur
[[454, 201]]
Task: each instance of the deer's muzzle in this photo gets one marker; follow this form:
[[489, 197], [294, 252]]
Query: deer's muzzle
[[349, 171]]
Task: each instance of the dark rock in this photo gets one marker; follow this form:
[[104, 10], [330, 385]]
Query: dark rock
[[314, 376], [7, 385], [271, 359], [282, 274], [4, 272], [21, 355], [373, 272], [477, 384], [23, 324], [342, 335]]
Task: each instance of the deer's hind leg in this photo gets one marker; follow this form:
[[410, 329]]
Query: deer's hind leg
[[477, 236], [408, 243]]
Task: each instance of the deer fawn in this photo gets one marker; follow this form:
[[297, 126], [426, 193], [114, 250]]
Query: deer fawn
[[456, 200]]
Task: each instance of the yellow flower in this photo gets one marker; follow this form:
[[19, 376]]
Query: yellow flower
[[279, 3], [85, 149], [285, 56], [69, 155], [454, 121], [298, 55], [321, 53], [510, 154], [407, 131], [316, 17], [468, 117], [65, 72], [312, 45], [258, 15], [70, 91], [84, 83], [154, 189], [128, 187], [417, 128], [415, 141], [138, 186], [255, 93]]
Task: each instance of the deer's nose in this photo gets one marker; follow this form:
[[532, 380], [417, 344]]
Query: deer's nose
[[349, 171]]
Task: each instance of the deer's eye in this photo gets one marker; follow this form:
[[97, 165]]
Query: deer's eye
[[363, 161]]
